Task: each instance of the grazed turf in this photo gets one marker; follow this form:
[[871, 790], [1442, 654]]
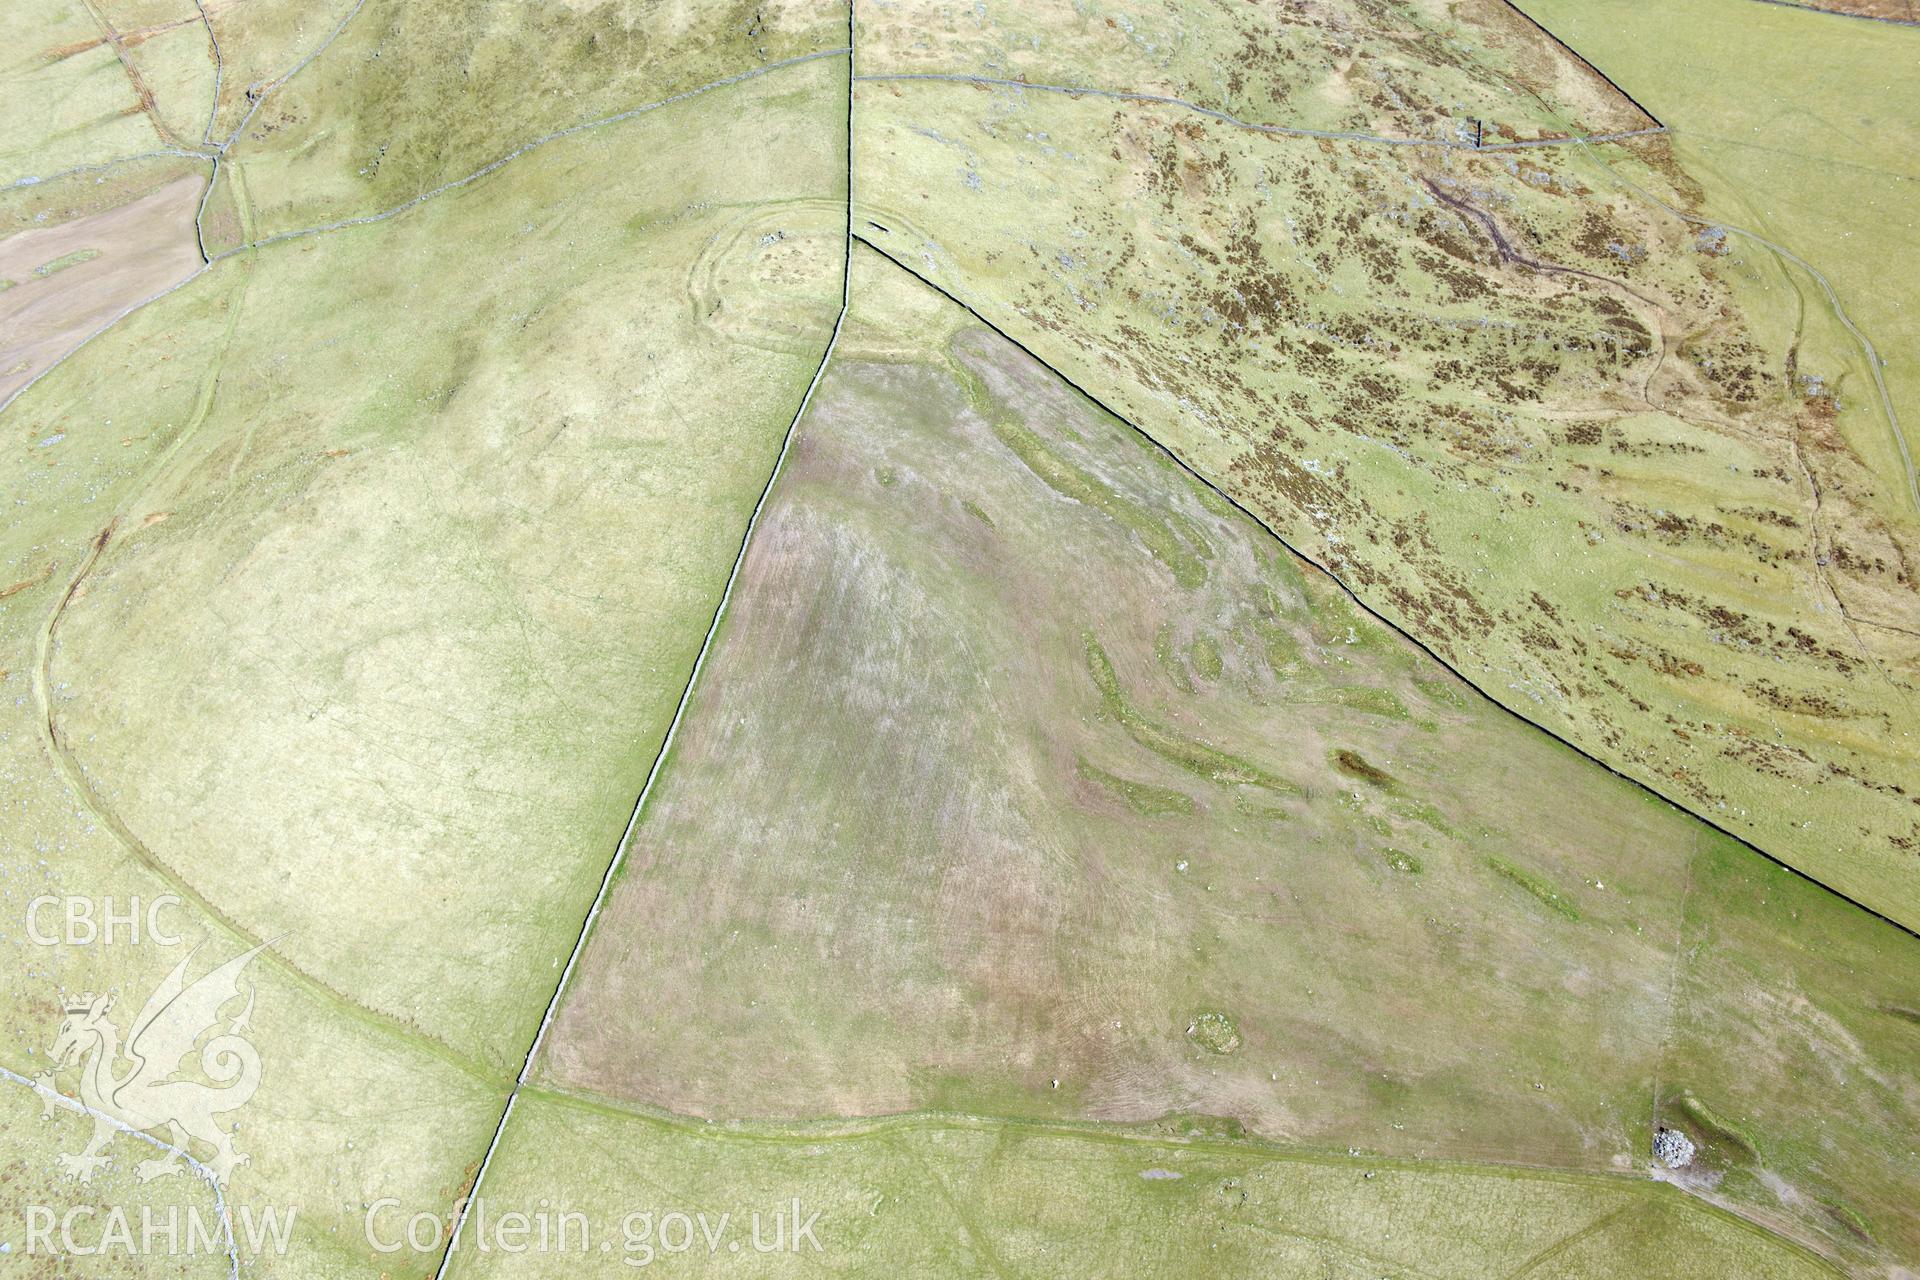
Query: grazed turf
[[76, 195], [64, 99], [1405, 70], [33, 1185], [347, 591], [427, 594], [1899, 11], [347, 1110], [951, 1197], [167, 48], [262, 42], [1792, 1060]]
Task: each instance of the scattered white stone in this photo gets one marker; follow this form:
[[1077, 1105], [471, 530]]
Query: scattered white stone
[[1673, 1149]]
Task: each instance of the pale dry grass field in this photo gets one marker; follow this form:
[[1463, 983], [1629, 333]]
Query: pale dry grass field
[[344, 590]]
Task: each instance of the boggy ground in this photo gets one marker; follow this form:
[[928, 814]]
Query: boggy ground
[[1028, 778]]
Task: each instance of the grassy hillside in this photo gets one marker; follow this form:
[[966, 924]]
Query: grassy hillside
[[1598, 458]]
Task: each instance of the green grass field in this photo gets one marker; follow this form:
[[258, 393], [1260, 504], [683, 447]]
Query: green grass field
[[939, 1195], [461, 541], [1050, 871], [64, 99], [353, 582], [32, 1182]]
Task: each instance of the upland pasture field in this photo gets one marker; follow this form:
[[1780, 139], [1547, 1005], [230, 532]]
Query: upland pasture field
[[1620, 469], [960, 637], [1111, 770]]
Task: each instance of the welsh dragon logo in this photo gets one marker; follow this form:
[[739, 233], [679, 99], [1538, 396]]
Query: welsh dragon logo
[[136, 1086]]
